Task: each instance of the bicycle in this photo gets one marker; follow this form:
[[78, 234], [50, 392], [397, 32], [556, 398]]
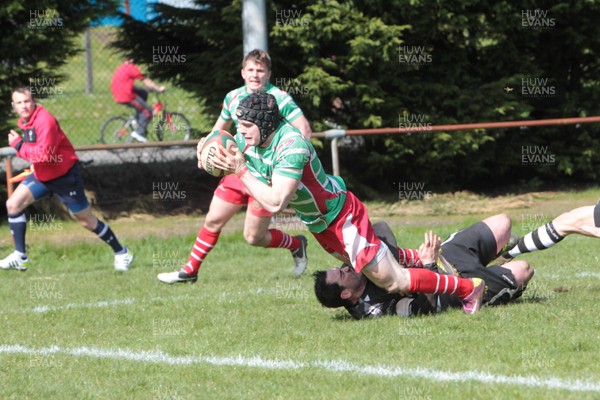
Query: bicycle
[[166, 125]]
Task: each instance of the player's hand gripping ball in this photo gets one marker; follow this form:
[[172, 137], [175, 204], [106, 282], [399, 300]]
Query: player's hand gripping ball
[[210, 148]]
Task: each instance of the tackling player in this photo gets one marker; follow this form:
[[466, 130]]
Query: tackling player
[[466, 253], [231, 195], [55, 171], [280, 168]]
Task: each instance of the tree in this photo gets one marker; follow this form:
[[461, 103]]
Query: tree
[[362, 63], [37, 38], [209, 38]]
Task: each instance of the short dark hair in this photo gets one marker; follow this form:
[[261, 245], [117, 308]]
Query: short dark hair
[[328, 294], [22, 89]]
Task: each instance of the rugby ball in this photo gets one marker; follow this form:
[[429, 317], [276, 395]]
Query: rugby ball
[[210, 147]]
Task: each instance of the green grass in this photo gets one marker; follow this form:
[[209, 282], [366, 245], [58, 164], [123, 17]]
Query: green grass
[[248, 305], [81, 115]]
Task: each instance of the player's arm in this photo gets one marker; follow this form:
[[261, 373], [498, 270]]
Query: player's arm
[[222, 124], [274, 197], [301, 123], [290, 111], [46, 140]]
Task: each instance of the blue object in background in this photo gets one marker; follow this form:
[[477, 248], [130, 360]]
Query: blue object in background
[[138, 9]]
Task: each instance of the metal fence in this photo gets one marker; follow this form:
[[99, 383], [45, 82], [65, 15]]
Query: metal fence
[[82, 101]]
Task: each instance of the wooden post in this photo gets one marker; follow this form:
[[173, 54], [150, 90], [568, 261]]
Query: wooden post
[[9, 175]]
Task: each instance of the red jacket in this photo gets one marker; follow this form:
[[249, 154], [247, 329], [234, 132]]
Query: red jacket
[[122, 82], [45, 145]]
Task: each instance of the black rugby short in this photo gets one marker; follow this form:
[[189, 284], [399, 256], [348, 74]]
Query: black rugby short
[[470, 250]]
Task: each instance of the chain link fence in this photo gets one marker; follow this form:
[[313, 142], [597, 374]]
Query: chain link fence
[[157, 178], [82, 101]]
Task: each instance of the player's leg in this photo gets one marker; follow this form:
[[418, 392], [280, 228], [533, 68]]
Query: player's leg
[[521, 271], [87, 219], [69, 189], [226, 201], [16, 204], [351, 236], [582, 220], [504, 283], [386, 273], [257, 233], [501, 226], [219, 213]]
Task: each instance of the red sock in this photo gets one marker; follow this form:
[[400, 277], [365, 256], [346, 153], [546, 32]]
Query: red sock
[[426, 281], [205, 242], [409, 258], [280, 239]]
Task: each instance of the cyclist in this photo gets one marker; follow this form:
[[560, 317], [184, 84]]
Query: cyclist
[[125, 92]]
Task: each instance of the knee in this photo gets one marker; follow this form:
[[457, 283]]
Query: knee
[[89, 223], [503, 221], [523, 272], [12, 206], [388, 280], [212, 224], [394, 287], [253, 238], [9, 207]]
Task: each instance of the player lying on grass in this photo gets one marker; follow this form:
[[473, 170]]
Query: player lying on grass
[[56, 172], [344, 287], [466, 253], [231, 195], [280, 169], [583, 220]]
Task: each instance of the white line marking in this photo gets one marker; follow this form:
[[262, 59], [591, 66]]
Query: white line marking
[[99, 304], [158, 357], [118, 302], [588, 275]]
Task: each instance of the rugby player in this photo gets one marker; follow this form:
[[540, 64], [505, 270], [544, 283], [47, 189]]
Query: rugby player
[[466, 253], [280, 168], [231, 195]]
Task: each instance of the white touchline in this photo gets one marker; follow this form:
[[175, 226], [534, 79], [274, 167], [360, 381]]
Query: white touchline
[[158, 357]]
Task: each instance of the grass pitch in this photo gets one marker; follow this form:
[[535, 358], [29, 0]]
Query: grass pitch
[[74, 328]]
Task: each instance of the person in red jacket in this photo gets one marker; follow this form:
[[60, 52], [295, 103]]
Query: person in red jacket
[[55, 171], [124, 92]]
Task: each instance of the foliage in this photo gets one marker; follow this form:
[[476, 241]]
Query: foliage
[[208, 36], [367, 64], [37, 38]]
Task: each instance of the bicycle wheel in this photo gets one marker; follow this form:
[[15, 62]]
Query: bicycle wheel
[[173, 126], [115, 131]]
